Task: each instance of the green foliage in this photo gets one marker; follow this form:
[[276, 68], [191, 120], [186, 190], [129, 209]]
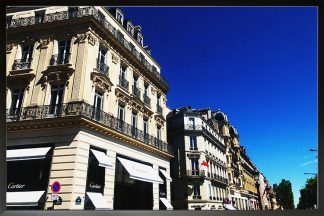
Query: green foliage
[[308, 194], [284, 194]]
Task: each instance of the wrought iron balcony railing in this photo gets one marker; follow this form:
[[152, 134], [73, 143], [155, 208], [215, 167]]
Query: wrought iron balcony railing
[[102, 67], [20, 64], [147, 100], [195, 173], [136, 92], [83, 109], [83, 12], [158, 108], [123, 82], [60, 59]]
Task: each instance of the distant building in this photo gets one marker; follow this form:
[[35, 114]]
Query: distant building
[[86, 106], [198, 168]]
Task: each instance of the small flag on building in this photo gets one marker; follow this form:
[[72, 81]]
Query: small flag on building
[[204, 163]]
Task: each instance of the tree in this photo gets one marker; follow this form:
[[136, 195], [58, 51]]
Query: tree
[[284, 194], [308, 194]]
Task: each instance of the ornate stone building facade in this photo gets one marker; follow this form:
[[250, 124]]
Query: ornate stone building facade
[[86, 107], [198, 168]]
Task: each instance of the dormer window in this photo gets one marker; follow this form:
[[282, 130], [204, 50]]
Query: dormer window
[[140, 39], [119, 16], [130, 28]]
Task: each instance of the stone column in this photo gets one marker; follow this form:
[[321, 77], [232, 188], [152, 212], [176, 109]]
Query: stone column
[[42, 65], [110, 180], [156, 195], [80, 67]]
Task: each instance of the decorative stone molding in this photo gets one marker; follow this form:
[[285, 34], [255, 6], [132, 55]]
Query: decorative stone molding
[[43, 43], [114, 58], [9, 48], [84, 37]]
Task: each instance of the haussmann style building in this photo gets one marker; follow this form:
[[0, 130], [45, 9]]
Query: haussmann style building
[[86, 108], [198, 168]]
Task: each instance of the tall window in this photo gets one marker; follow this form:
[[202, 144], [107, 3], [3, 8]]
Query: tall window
[[158, 135], [102, 55], [56, 99], [196, 190], [194, 166], [16, 101], [27, 53], [193, 143], [192, 122], [123, 71], [64, 51], [145, 128], [121, 116], [134, 123], [97, 104], [146, 87]]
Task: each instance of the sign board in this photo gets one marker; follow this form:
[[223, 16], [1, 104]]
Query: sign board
[[56, 187], [54, 196]]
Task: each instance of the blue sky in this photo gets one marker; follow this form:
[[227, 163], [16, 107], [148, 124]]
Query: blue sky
[[258, 65]]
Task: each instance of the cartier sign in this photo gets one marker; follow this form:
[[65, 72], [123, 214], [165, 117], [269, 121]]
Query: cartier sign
[[12, 185], [93, 185]]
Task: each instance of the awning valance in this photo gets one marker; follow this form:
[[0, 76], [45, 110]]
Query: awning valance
[[25, 198], [27, 153], [99, 201], [166, 203], [102, 158], [140, 171], [166, 175]]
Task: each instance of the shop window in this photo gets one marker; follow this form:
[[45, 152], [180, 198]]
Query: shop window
[[28, 173], [95, 178]]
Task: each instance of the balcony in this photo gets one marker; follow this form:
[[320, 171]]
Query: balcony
[[93, 13], [60, 59], [196, 173], [123, 83], [102, 68], [147, 100], [82, 109], [136, 92], [21, 64], [158, 109], [21, 71]]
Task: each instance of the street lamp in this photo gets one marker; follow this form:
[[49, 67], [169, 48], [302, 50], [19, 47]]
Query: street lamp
[[256, 178]]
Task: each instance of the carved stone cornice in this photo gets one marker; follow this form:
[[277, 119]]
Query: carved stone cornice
[[84, 37]]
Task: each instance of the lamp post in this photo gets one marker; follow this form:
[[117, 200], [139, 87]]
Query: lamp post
[[256, 178]]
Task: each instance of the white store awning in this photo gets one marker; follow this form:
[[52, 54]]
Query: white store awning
[[27, 154], [102, 159], [99, 201], [229, 207], [166, 175], [166, 203], [26, 198], [140, 171]]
